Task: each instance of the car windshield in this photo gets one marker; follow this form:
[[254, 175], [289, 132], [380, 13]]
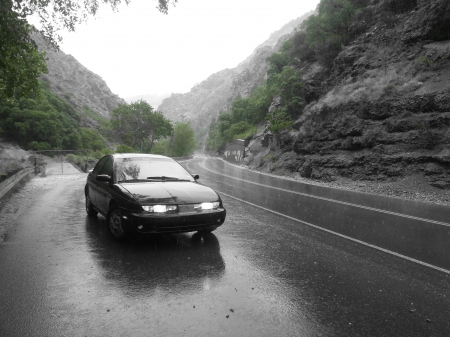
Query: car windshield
[[149, 169]]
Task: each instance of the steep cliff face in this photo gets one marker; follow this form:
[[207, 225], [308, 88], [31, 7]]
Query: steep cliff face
[[78, 85], [252, 75], [206, 100], [384, 109]]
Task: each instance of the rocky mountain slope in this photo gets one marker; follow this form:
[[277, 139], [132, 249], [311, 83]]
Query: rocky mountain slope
[[383, 111], [81, 87], [215, 94], [202, 102], [380, 113]]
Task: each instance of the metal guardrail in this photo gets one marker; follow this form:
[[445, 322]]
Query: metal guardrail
[[9, 183]]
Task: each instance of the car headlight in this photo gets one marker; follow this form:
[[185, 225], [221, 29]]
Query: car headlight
[[207, 206], [160, 208]]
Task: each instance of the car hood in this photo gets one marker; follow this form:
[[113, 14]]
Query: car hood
[[170, 192]]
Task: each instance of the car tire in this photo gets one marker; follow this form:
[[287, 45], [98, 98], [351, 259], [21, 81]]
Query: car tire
[[114, 224], [89, 208]]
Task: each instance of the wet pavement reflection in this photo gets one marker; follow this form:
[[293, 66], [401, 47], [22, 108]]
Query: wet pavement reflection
[[260, 274], [164, 264], [416, 230]]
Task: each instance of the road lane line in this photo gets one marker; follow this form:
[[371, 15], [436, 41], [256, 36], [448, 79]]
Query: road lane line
[[332, 200], [341, 235]]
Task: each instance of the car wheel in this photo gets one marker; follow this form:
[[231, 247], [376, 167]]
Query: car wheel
[[89, 208], [114, 223]]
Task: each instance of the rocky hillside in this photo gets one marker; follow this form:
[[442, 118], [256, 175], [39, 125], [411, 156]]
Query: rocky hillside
[[383, 110], [198, 104], [215, 94], [72, 81]]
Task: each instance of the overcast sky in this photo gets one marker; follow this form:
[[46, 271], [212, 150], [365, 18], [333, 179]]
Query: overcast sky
[[140, 51]]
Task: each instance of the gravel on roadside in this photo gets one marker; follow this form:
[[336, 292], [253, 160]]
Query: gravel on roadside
[[414, 187]]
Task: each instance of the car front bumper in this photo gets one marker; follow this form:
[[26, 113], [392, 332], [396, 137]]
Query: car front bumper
[[143, 222]]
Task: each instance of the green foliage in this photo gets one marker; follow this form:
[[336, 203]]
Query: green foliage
[[224, 131], [425, 61], [20, 61], [328, 31], [260, 101], [218, 135], [241, 110], [125, 149], [270, 157], [184, 142], [84, 161], [41, 123], [138, 125], [279, 120], [243, 130], [288, 85], [297, 48], [46, 123], [71, 158], [277, 61], [247, 112], [92, 140], [96, 117], [327, 51], [162, 147], [101, 153], [38, 146]]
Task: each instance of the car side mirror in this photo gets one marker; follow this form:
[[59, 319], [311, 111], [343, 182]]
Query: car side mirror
[[195, 176], [104, 178]]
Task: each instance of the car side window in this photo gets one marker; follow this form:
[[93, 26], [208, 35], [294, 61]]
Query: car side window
[[108, 168], [98, 168]]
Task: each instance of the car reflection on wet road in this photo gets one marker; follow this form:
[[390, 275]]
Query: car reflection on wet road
[[260, 274]]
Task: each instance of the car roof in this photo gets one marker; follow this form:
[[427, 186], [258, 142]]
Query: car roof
[[139, 155]]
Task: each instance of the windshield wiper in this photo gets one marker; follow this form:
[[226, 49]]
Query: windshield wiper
[[167, 178], [163, 178], [131, 180]]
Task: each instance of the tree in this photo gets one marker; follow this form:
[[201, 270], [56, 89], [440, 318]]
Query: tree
[[92, 140], [277, 61], [125, 149], [260, 101], [47, 119], [138, 125], [162, 147], [241, 110], [20, 61], [289, 86], [279, 120], [183, 140], [328, 31]]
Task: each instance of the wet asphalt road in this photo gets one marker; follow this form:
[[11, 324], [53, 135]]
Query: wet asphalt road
[[260, 274]]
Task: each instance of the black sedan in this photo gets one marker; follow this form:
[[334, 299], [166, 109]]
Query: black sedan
[[142, 193]]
